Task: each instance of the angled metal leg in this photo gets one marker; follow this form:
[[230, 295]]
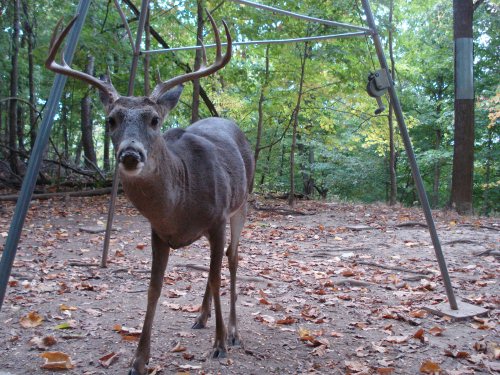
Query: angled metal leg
[[29, 181], [413, 162]]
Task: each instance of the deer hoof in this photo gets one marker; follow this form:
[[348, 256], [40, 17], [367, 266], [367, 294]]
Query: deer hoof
[[234, 340], [133, 371], [198, 325], [219, 353]]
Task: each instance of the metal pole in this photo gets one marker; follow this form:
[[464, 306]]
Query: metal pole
[[300, 16], [269, 41], [411, 158], [130, 92], [35, 161]]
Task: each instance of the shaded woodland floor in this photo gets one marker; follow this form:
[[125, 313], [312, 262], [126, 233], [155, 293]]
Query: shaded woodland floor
[[330, 288]]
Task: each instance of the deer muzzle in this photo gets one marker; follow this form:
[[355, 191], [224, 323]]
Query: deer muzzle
[[131, 157]]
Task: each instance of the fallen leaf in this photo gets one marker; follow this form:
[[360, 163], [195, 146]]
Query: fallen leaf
[[33, 319], [70, 324], [140, 246], [456, 354], [436, 331], [178, 348], [43, 343], [64, 307], [397, 339], [56, 361], [429, 367], [287, 320], [187, 356], [419, 335], [385, 370], [108, 359]]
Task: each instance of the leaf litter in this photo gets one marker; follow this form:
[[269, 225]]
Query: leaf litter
[[341, 290]]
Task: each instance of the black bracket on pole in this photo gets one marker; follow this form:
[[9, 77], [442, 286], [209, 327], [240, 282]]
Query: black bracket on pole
[[377, 85]]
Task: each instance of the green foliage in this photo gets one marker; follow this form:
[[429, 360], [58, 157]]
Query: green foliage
[[343, 147]]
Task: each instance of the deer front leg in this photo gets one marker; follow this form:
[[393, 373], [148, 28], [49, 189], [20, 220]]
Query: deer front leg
[[206, 306], [217, 239], [159, 262], [237, 222]]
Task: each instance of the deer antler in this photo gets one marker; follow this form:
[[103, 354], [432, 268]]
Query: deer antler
[[219, 63], [65, 69]]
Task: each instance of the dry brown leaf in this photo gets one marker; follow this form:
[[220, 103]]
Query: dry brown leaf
[[456, 354], [436, 331], [288, 320], [385, 370], [429, 367], [397, 339], [43, 343], [191, 308], [56, 361], [419, 335], [64, 307], [33, 319], [178, 348], [418, 314], [108, 359], [187, 356]]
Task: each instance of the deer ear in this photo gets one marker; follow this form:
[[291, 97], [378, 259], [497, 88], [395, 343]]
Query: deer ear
[[170, 99], [109, 96]]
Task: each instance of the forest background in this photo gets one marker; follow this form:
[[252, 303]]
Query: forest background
[[303, 106]]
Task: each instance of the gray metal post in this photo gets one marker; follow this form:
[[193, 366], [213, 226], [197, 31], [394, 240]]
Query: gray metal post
[[130, 92], [411, 158], [29, 181]]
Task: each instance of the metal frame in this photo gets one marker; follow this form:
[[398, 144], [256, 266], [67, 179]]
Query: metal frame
[[56, 92]]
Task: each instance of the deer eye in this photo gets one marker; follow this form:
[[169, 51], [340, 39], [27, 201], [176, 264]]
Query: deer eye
[[155, 121], [111, 122]]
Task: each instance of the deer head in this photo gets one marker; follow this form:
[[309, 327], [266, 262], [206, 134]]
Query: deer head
[[135, 122]]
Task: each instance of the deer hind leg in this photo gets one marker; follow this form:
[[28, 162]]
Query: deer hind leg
[[217, 238], [159, 263], [237, 222]]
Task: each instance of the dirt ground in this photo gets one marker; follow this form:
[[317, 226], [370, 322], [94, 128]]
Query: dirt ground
[[329, 288]]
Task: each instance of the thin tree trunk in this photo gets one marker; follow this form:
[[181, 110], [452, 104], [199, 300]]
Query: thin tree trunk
[[392, 150], [14, 77], [195, 107], [489, 160], [147, 57], [295, 123], [64, 126], [437, 171], [20, 129], [463, 151], [260, 120], [86, 121], [28, 29]]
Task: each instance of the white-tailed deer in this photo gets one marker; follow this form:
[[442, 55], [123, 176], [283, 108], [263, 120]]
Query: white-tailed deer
[[187, 182]]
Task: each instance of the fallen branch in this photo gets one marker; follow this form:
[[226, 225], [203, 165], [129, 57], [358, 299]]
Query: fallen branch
[[466, 241], [197, 267], [83, 193], [393, 268], [281, 211], [480, 226], [411, 224]]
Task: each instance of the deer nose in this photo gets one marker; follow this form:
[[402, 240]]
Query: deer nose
[[130, 158]]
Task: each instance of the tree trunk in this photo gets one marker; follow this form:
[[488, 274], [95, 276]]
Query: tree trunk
[[64, 126], [392, 150], [20, 130], [463, 151], [260, 120], [147, 57], [86, 121], [437, 171], [295, 123], [28, 29], [195, 107], [14, 77]]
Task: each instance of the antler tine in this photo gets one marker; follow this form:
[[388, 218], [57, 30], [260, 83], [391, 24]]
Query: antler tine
[[218, 53], [64, 68], [219, 63]]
